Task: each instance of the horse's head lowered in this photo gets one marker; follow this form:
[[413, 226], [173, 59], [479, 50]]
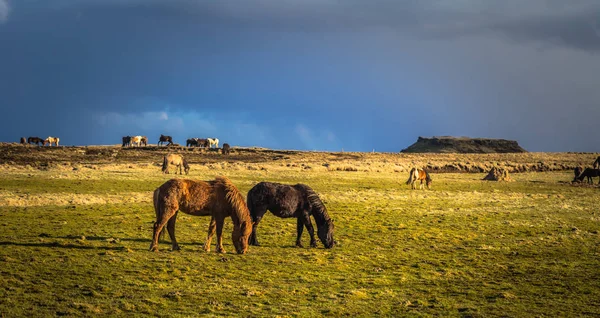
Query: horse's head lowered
[[240, 235], [325, 233]]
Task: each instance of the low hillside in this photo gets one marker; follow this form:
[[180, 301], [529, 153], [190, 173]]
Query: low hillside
[[15, 156], [448, 144]]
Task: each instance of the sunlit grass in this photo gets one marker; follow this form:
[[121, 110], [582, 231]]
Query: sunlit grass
[[466, 248]]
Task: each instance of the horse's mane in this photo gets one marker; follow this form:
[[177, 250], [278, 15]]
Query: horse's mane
[[319, 211], [236, 200]]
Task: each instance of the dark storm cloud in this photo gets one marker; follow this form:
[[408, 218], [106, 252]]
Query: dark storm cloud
[[313, 74]]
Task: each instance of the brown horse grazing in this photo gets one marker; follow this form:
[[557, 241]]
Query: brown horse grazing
[[35, 140], [218, 198], [144, 141], [23, 141], [284, 201], [596, 164], [162, 139], [176, 160], [590, 173], [417, 174], [226, 149]]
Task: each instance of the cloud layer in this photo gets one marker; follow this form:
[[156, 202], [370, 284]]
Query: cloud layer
[[303, 74]]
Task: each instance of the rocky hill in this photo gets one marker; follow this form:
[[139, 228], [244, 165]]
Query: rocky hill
[[447, 144]]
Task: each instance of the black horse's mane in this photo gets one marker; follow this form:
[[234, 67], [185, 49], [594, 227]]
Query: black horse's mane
[[318, 209]]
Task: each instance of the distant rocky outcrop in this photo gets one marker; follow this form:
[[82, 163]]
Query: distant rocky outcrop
[[448, 144]]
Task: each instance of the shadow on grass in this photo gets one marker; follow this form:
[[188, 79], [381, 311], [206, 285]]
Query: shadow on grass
[[61, 245]]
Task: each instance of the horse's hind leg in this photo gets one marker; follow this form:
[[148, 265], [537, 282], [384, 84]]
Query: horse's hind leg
[[160, 223], [212, 227], [257, 214], [299, 230], [171, 229]]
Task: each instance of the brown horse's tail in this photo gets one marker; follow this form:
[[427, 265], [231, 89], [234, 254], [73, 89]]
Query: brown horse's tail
[[159, 209], [240, 214], [165, 164]]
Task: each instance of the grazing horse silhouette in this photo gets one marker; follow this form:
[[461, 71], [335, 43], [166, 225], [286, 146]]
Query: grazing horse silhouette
[[226, 149], [284, 201], [192, 142], [162, 139], [52, 140], [417, 174], [126, 141], [23, 141], [590, 173], [597, 163], [577, 171], [35, 140], [176, 160], [213, 142], [196, 142], [218, 198]]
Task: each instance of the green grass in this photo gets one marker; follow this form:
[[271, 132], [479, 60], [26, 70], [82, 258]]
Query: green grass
[[467, 248]]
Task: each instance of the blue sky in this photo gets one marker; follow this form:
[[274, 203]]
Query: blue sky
[[310, 75]]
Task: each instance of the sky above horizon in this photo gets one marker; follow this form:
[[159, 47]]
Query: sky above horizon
[[309, 75]]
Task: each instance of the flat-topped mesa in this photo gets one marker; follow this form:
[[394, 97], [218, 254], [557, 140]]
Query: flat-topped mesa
[[449, 144]]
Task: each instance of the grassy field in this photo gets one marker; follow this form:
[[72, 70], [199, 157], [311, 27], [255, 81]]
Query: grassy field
[[74, 241]]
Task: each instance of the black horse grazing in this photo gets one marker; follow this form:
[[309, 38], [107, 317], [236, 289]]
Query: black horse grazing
[[577, 171], [192, 142], [285, 201], [596, 163], [126, 141], [35, 140], [164, 139], [589, 173], [226, 149]]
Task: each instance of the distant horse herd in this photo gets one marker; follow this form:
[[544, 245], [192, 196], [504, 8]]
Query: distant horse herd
[[39, 141]]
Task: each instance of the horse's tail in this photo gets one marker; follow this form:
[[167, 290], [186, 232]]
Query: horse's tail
[[411, 175], [159, 209], [186, 166], [240, 213], [165, 164]]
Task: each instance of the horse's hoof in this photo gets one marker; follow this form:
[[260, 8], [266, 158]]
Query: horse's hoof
[[299, 245], [176, 248], [221, 251], [153, 248], [313, 244]]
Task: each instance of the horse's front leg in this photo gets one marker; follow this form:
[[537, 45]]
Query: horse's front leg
[[309, 228], [171, 229], [220, 223], [211, 232]]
